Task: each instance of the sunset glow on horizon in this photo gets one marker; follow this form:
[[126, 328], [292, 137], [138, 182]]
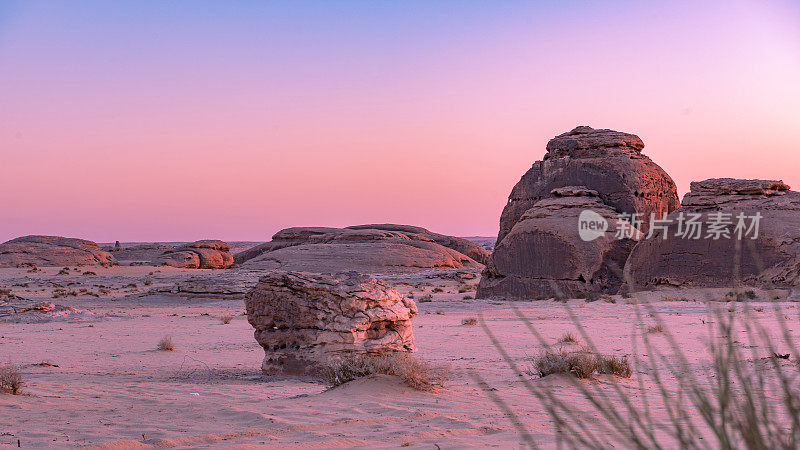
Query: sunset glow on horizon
[[177, 121]]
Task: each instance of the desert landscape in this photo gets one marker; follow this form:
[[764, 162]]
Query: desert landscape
[[410, 224]]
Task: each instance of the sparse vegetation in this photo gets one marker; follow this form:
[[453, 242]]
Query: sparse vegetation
[[427, 298], [166, 344], [11, 381], [657, 328], [750, 295], [90, 273], [226, 319], [580, 363], [440, 312], [437, 290], [468, 297], [470, 321], [415, 372], [148, 282], [64, 271], [568, 338], [614, 365]]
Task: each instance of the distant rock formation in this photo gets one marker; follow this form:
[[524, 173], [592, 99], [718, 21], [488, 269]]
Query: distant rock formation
[[770, 260], [53, 251], [539, 252], [370, 249], [206, 254], [606, 161], [303, 320]]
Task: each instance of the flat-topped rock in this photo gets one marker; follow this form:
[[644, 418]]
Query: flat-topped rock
[[374, 249], [53, 251], [770, 260], [586, 141], [304, 320]]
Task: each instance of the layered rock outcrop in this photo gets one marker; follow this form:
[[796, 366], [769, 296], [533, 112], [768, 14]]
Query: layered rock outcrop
[[373, 249], [607, 161], [206, 254], [544, 256], [539, 251], [53, 251], [303, 320], [761, 252]]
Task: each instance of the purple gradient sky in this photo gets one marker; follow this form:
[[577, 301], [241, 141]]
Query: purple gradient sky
[[230, 120]]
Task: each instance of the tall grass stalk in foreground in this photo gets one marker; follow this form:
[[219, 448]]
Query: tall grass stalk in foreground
[[747, 398]]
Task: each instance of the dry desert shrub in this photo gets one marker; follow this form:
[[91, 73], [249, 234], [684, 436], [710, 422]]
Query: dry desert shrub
[[568, 338], [468, 297], [470, 321], [658, 328], [427, 298], [578, 363], [10, 379], [415, 372], [226, 319], [166, 344], [437, 290]]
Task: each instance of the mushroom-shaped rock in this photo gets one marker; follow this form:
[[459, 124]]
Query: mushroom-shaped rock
[[206, 254], [567, 245], [726, 230], [53, 251], [606, 161], [303, 320]]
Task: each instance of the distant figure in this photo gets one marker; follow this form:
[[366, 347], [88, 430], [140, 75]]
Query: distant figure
[[117, 246]]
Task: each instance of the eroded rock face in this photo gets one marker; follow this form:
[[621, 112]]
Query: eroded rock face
[[302, 320], [544, 256], [609, 162], [206, 254], [374, 249], [53, 251], [773, 259]]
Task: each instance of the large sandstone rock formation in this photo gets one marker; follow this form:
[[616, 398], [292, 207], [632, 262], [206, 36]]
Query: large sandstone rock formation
[[302, 320], [606, 161], [363, 248], [544, 256], [539, 252], [207, 254], [52, 251], [773, 259]]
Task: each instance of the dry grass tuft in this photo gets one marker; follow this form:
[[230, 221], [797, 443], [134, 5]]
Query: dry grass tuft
[[471, 321], [652, 329], [166, 344], [416, 373], [226, 319], [10, 379], [581, 364], [568, 338], [614, 365]]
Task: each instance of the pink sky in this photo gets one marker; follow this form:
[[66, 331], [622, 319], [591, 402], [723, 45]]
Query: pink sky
[[159, 123]]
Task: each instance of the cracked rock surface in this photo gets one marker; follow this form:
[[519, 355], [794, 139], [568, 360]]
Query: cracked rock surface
[[302, 320], [771, 260]]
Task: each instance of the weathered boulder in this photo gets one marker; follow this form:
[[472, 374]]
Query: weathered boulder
[[303, 320], [374, 249], [206, 254], [53, 251], [609, 162], [545, 256], [676, 258]]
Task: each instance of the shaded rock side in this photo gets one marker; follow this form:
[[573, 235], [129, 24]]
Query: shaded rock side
[[771, 260], [544, 255], [303, 320], [53, 251]]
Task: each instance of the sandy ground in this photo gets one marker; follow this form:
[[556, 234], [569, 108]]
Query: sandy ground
[[105, 384]]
